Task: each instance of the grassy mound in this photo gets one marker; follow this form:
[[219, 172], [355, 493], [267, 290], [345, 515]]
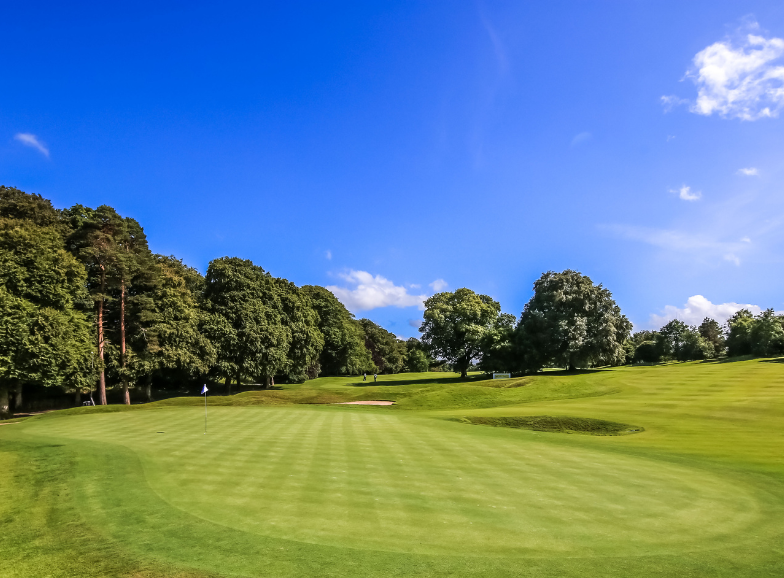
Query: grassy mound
[[558, 423]]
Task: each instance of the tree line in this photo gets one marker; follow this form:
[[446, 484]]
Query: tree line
[[85, 305]]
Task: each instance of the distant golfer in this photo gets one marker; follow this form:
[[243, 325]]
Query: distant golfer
[[375, 377], [364, 377]]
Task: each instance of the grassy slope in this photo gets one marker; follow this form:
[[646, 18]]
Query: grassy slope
[[290, 491]]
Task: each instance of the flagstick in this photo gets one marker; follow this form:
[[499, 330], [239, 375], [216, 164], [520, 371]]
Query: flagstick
[[205, 412]]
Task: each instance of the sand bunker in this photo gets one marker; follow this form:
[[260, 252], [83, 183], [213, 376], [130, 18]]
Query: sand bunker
[[377, 402]]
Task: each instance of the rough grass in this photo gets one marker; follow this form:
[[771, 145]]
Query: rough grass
[[282, 487], [557, 423]]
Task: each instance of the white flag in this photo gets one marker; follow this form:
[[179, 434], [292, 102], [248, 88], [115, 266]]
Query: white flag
[[204, 390]]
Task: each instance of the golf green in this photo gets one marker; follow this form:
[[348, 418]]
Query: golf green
[[297, 490]]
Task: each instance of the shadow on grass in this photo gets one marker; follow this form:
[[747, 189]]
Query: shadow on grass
[[429, 381], [562, 372]]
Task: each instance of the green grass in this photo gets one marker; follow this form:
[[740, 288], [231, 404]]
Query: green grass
[[283, 486]]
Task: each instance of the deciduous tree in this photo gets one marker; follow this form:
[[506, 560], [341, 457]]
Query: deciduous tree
[[455, 325], [570, 322], [45, 335], [344, 351], [245, 320], [387, 351]]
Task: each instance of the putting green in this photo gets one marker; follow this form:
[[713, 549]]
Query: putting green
[[328, 490], [386, 482]]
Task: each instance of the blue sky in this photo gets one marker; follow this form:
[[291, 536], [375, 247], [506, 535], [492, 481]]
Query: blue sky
[[391, 149]]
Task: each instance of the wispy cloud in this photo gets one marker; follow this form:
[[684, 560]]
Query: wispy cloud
[[580, 138], [415, 323], [370, 292], [495, 40], [328, 255], [743, 79], [685, 193], [692, 244], [671, 101], [439, 285], [31, 140], [698, 308], [749, 172]]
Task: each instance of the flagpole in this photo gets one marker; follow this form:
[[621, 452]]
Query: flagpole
[[205, 410]]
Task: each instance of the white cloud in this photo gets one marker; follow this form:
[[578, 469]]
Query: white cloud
[[685, 193], [438, 285], [31, 140], [698, 308], [671, 101], [745, 240], [740, 80], [749, 172], [371, 292], [580, 138], [328, 255], [416, 323], [732, 258]]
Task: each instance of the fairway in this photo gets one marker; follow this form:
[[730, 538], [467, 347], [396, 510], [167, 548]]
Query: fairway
[[340, 490]]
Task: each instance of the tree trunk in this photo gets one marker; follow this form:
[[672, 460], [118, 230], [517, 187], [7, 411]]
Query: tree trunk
[[148, 388], [239, 382], [18, 404], [126, 393], [463, 373], [78, 397], [5, 408], [102, 376], [228, 384], [266, 382]]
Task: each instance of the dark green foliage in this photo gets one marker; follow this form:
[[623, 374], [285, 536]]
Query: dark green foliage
[[18, 205], [164, 325], [45, 335], [647, 352], [558, 423], [675, 341], [306, 340], [570, 322], [416, 357], [498, 353], [387, 351], [670, 339], [120, 269], [244, 320], [712, 333], [767, 334], [344, 351], [739, 327], [456, 325]]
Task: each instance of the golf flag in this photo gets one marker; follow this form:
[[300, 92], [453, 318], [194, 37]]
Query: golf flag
[[204, 393]]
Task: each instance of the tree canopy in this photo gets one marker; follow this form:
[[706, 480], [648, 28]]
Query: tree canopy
[[455, 325], [571, 322], [45, 333], [344, 351]]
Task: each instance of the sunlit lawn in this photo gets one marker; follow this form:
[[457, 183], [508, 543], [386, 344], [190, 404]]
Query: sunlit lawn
[[286, 484]]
